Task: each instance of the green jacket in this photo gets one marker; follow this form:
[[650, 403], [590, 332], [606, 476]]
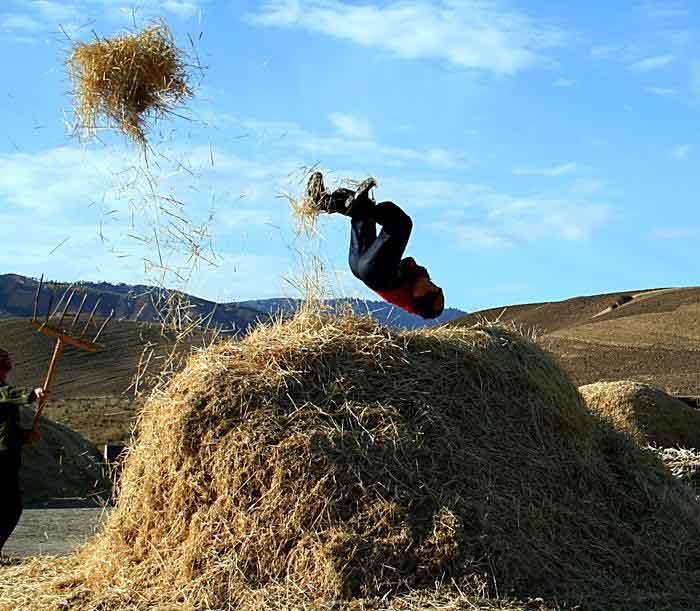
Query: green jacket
[[11, 434]]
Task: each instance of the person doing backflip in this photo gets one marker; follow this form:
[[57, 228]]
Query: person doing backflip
[[378, 260], [12, 438]]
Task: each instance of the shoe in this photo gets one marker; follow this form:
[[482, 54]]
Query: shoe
[[360, 199], [315, 189], [342, 200], [321, 200]]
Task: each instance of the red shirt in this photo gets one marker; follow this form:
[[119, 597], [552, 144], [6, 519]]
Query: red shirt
[[402, 296]]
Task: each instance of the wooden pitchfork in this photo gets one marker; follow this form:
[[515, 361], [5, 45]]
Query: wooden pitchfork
[[53, 329]]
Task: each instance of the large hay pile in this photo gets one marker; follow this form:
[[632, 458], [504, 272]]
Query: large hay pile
[[325, 459], [125, 79], [646, 413], [62, 465]]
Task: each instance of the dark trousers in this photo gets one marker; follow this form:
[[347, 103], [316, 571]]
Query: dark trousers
[[10, 499], [376, 259]]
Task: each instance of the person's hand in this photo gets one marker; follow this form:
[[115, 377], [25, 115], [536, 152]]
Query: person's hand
[[39, 394]]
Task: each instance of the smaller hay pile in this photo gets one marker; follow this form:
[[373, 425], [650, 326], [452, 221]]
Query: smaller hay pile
[[684, 464], [646, 413], [127, 78], [61, 465]]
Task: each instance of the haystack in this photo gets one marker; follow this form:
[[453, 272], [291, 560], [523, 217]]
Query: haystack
[[62, 465], [683, 463], [128, 79], [322, 460], [647, 413]]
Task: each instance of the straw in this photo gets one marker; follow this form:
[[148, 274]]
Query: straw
[[326, 462], [647, 413], [128, 80]]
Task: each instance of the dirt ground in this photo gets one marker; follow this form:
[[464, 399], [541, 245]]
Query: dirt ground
[[54, 532]]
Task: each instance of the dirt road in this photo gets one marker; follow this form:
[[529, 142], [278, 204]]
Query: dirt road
[[53, 531]]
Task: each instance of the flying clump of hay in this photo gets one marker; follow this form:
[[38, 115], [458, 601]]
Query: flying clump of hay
[[326, 459], [128, 79], [646, 413]]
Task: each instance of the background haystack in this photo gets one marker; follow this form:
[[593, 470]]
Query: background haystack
[[684, 464], [127, 78], [323, 459], [61, 465], [646, 413]]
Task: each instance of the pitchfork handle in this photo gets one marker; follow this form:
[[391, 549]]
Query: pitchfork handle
[[58, 350]]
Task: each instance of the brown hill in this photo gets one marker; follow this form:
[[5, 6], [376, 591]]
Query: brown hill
[[108, 371], [650, 336]]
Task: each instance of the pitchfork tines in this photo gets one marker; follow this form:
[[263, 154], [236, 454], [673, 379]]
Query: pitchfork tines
[[52, 325]]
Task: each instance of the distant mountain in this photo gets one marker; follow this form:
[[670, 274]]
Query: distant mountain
[[145, 303], [383, 312], [129, 302]]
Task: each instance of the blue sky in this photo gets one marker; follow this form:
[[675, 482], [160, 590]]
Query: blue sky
[[543, 151]]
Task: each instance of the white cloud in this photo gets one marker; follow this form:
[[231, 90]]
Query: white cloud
[[533, 218], [416, 194], [468, 34], [352, 126], [55, 181], [603, 51], [46, 15], [695, 79], [676, 233], [182, 8], [663, 10], [557, 170], [635, 57], [291, 136], [587, 186], [21, 23], [506, 220], [475, 215], [90, 194], [565, 82], [472, 236], [56, 12], [661, 91], [681, 152], [655, 62], [98, 186]]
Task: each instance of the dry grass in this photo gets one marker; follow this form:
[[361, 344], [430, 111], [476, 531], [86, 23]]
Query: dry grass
[[329, 463], [646, 413], [127, 79], [100, 420], [31, 585], [305, 210], [683, 463], [673, 330]]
